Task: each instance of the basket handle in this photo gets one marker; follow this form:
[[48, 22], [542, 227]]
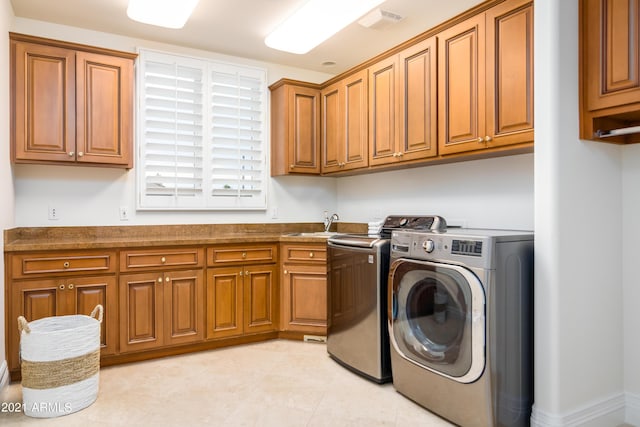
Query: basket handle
[[23, 325], [99, 311]]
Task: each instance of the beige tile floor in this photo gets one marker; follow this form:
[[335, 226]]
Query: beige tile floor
[[274, 383]]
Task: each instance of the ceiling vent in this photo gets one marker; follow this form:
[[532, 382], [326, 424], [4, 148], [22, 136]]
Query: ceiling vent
[[379, 19]]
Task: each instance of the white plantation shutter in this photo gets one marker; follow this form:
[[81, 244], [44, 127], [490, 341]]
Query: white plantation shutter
[[237, 136], [201, 134]]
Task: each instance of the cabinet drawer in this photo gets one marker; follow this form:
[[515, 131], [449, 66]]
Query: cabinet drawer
[[304, 253], [35, 265], [145, 259], [241, 254]]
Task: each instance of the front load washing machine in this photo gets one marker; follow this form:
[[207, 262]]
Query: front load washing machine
[[460, 319]]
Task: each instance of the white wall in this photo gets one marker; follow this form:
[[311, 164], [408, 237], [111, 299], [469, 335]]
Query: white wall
[[6, 174], [490, 193], [92, 196], [631, 279], [578, 201]]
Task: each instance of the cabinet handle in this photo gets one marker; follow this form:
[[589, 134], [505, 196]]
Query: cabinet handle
[[480, 140], [66, 264], [400, 154], [159, 279], [241, 273], [71, 286], [310, 254], [71, 153], [487, 138], [163, 260], [286, 272], [80, 154], [291, 166], [246, 273], [167, 279], [61, 287], [244, 254]]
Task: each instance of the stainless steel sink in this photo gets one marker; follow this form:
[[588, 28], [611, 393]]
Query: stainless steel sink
[[325, 234]]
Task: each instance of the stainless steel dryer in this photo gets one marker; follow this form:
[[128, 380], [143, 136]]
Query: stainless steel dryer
[[460, 323]]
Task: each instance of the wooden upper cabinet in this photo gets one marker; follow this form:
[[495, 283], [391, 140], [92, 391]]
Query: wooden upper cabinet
[[104, 109], [345, 124], [71, 104], [509, 75], [418, 103], [486, 79], [609, 68], [461, 90], [295, 128], [383, 111]]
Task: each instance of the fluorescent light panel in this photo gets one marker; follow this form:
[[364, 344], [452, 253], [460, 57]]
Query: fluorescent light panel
[[315, 22], [163, 13]]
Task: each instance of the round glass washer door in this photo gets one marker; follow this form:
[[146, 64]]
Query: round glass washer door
[[438, 319]]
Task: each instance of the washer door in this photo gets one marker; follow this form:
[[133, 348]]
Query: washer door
[[437, 318]]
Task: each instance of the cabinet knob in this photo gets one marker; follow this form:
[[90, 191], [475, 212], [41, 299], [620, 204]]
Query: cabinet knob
[[246, 272], [291, 166], [286, 272], [480, 140], [71, 286], [241, 272], [71, 153], [61, 287], [244, 254], [163, 260], [167, 279], [310, 254], [159, 279], [487, 138], [66, 264], [80, 154]]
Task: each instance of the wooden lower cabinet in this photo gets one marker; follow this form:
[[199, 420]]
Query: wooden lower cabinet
[[161, 309], [35, 299], [241, 300], [304, 291], [304, 288]]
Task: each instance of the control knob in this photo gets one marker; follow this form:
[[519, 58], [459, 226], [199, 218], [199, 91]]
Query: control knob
[[403, 222], [428, 246]]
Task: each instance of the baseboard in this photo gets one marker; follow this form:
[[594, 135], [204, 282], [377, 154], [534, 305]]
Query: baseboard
[[632, 409], [606, 412], [4, 375]]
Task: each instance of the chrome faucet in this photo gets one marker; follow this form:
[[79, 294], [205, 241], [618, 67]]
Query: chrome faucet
[[328, 220]]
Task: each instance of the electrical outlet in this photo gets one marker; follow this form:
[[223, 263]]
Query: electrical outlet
[[124, 213], [53, 213]]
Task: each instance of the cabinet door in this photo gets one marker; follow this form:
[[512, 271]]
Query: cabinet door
[[332, 128], [304, 130], [33, 300], [461, 88], [356, 120], [305, 298], [418, 106], [612, 31], [44, 103], [87, 292], [383, 111], [103, 107], [260, 299], [183, 308], [224, 302], [509, 107], [141, 311]]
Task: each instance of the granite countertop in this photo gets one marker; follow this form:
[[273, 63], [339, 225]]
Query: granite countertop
[[24, 239]]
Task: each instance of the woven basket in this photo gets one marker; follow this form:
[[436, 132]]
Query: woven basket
[[60, 363]]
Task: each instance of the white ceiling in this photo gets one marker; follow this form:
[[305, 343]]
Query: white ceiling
[[238, 27]]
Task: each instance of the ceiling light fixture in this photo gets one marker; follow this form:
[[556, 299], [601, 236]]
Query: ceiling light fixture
[[163, 13], [315, 22]]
